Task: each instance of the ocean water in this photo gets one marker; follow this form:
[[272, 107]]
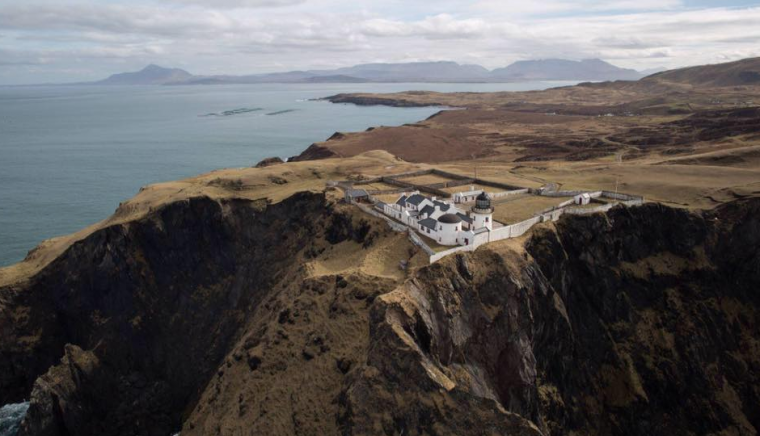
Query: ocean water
[[10, 418], [69, 155]]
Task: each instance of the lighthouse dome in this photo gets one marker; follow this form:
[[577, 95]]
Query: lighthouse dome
[[483, 202], [449, 218]]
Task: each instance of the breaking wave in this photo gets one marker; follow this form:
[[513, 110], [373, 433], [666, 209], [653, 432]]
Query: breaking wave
[[11, 416]]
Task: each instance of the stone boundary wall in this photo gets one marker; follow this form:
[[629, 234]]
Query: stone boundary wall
[[499, 185], [431, 188], [554, 214], [387, 191], [412, 187], [455, 184], [620, 196], [588, 210], [416, 240], [392, 224], [503, 194], [506, 232], [551, 216], [367, 181], [558, 193], [449, 175]]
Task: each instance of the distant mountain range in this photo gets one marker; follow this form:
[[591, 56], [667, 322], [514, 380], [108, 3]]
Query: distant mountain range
[[537, 70], [560, 69], [150, 75]]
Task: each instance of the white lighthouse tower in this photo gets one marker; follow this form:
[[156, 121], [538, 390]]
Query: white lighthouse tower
[[482, 212]]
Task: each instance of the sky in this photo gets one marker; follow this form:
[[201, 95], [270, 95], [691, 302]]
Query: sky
[[78, 40]]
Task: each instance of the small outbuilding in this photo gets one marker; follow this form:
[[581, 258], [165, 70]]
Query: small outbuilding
[[582, 199], [357, 195], [466, 196]]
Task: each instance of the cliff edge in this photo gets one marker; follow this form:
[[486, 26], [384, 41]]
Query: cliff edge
[[222, 316]]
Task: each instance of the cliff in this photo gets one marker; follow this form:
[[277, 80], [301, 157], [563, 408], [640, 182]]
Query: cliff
[[228, 316], [126, 329], [642, 321]]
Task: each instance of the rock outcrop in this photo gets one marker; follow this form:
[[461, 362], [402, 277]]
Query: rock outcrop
[[141, 315], [366, 100], [268, 162], [313, 152], [203, 318], [643, 321]]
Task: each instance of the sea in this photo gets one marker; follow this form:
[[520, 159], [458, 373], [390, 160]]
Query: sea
[[10, 418], [70, 154]]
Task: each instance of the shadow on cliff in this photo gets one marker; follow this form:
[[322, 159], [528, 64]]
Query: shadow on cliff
[[202, 316], [641, 321], [125, 329]]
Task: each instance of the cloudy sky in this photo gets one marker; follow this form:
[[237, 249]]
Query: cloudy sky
[[73, 40]]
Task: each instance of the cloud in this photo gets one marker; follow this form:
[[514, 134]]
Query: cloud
[[238, 3], [575, 7], [240, 37], [441, 26]]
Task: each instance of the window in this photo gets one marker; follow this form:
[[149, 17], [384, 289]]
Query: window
[[486, 219]]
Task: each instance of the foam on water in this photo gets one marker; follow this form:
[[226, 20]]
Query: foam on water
[[10, 418]]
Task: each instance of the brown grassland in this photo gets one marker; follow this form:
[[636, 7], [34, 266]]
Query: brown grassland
[[693, 145]]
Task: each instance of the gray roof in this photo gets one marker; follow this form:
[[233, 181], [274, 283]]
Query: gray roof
[[415, 199], [429, 223], [441, 205], [401, 201], [427, 209], [464, 217], [357, 193]]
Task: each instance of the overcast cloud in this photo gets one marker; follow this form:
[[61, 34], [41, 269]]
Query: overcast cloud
[[57, 41]]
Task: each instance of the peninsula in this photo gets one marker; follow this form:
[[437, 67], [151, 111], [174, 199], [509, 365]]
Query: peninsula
[[268, 300]]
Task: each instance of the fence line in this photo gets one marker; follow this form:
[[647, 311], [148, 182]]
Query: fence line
[[513, 230], [416, 240], [495, 195]]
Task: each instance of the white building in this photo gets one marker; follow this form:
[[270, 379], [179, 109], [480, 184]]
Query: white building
[[466, 196], [441, 220], [582, 199]]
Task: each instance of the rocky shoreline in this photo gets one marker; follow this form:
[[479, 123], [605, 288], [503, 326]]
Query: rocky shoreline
[[361, 100]]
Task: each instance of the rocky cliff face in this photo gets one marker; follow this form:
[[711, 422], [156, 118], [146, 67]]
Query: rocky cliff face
[[642, 321], [127, 327], [203, 317]]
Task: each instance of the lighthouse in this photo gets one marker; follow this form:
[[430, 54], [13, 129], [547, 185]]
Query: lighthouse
[[482, 212]]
